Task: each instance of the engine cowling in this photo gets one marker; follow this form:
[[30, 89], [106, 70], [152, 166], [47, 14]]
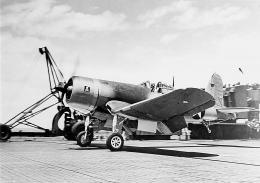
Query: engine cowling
[[82, 94]]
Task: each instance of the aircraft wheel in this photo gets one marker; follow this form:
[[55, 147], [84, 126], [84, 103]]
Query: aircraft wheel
[[68, 134], [5, 132], [77, 128], [115, 142], [82, 141]]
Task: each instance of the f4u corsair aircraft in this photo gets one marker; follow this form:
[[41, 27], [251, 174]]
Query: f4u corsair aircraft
[[95, 98]]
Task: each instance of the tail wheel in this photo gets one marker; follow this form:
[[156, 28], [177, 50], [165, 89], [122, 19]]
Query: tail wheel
[[5, 132], [83, 140], [115, 142]]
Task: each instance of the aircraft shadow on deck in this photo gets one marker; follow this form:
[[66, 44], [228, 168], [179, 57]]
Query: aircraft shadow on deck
[[152, 150], [167, 152]]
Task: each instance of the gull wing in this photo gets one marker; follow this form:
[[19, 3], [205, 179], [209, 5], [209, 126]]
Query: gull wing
[[164, 107]]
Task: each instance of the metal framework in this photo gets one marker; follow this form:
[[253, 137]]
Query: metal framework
[[56, 83]]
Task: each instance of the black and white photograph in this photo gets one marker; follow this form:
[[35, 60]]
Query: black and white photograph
[[138, 91]]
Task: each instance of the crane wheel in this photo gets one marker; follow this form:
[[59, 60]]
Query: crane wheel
[[5, 132]]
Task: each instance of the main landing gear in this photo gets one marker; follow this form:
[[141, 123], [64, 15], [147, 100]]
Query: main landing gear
[[115, 141]]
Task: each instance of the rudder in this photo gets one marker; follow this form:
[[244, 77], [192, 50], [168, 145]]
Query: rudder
[[215, 88]]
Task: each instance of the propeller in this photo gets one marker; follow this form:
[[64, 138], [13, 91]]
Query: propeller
[[67, 88], [76, 66]]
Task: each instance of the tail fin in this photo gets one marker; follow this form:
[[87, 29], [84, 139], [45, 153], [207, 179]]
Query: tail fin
[[215, 88]]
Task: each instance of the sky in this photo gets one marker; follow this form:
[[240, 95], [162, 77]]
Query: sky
[[126, 41]]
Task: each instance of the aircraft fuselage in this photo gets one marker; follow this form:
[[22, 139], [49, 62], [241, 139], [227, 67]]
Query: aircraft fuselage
[[88, 93]]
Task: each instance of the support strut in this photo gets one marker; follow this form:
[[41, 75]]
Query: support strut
[[22, 117]]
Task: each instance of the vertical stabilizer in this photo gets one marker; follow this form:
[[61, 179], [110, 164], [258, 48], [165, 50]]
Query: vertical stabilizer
[[215, 88]]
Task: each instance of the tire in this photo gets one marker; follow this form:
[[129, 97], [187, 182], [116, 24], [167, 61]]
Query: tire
[[68, 134], [5, 132], [115, 142], [77, 128], [81, 141]]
